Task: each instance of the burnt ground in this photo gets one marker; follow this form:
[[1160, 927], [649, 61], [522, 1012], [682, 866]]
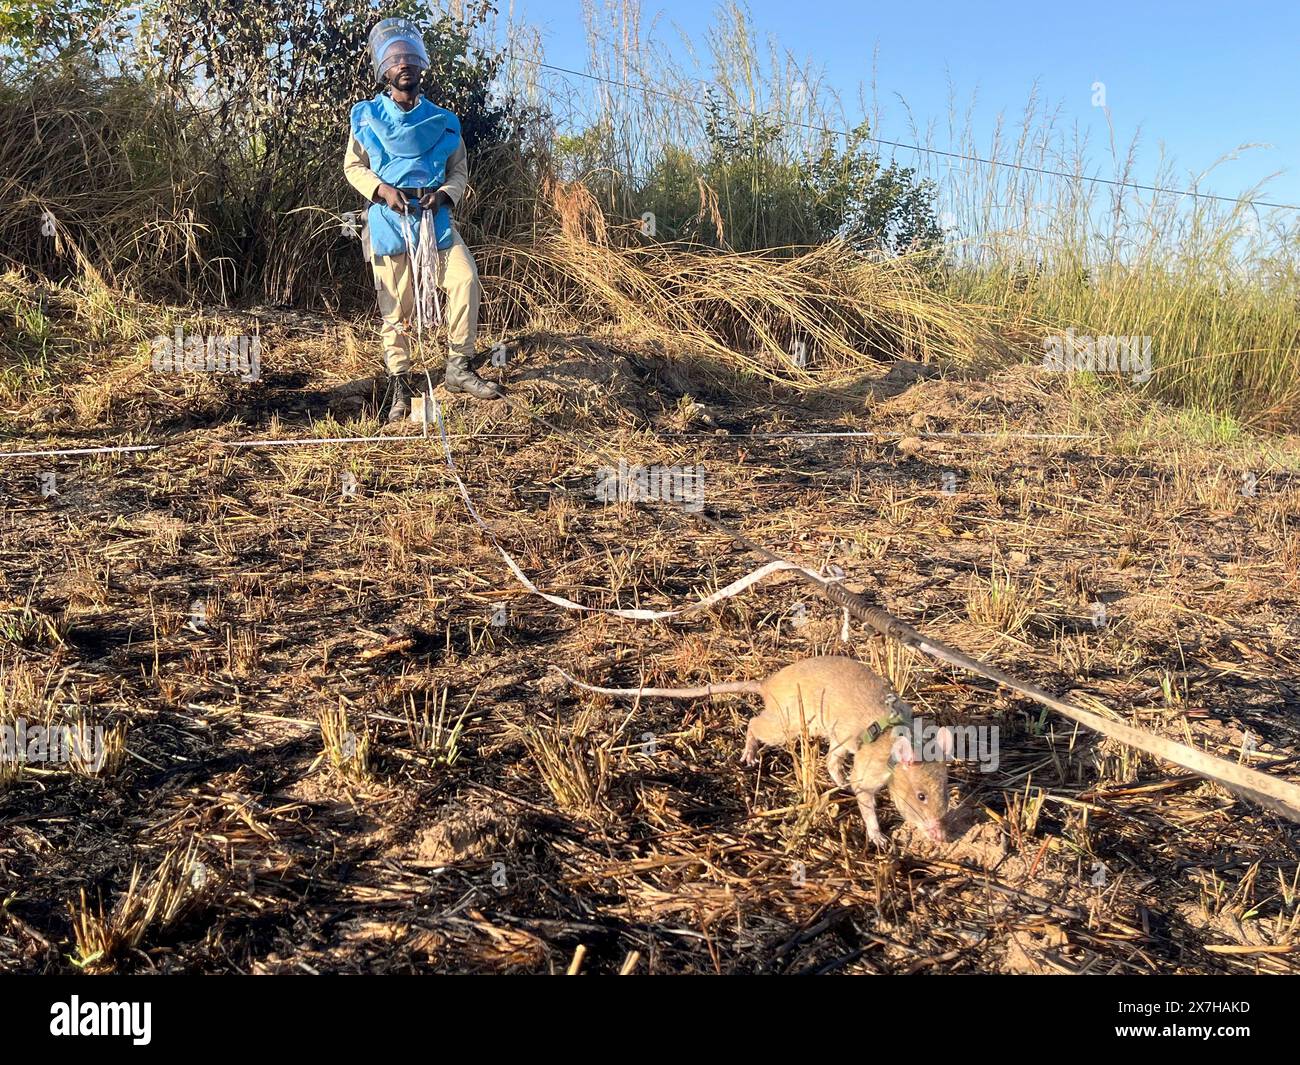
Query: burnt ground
[[557, 829]]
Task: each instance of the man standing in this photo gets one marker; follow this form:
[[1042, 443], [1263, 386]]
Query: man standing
[[407, 157]]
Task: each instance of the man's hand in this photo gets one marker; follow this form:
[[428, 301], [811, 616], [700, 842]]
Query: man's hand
[[431, 201], [389, 196]]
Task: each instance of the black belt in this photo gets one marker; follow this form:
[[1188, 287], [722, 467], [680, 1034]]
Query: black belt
[[417, 192]]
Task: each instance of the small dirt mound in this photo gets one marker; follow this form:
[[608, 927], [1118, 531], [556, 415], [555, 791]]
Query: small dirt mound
[[466, 834]]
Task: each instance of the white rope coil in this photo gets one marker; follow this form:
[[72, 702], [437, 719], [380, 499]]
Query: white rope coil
[[425, 264]]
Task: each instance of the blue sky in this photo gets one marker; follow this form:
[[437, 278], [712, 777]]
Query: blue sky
[[1198, 78]]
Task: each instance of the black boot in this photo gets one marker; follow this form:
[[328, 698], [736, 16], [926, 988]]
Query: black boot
[[400, 408], [460, 378]]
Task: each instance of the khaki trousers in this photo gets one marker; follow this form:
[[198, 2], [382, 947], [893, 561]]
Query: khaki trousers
[[396, 297]]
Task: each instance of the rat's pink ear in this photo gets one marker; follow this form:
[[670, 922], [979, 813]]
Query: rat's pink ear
[[944, 736], [902, 750]]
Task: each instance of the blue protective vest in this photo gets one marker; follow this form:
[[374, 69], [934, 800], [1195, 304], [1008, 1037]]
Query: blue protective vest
[[407, 149]]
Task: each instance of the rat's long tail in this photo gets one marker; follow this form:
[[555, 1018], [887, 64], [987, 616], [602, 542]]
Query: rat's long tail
[[748, 687]]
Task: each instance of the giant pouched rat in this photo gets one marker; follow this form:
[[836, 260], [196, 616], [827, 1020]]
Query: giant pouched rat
[[858, 713]]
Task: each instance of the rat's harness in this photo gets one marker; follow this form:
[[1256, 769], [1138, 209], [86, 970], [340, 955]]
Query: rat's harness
[[899, 713]]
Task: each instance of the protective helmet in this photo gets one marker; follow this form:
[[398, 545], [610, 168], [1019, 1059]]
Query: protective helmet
[[406, 34]]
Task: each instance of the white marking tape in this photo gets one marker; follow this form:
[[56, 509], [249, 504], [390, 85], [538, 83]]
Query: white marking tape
[[867, 434], [313, 440], [295, 442], [78, 451]]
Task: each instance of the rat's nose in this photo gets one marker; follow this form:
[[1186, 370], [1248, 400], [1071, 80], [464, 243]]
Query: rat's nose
[[936, 832]]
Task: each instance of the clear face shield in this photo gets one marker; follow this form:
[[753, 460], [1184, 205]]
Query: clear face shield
[[394, 42]]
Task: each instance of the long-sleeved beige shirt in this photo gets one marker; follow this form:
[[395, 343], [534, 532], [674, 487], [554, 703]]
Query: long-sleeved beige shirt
[[356, 168]]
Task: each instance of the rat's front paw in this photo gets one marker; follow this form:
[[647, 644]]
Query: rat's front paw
[[878, 838]]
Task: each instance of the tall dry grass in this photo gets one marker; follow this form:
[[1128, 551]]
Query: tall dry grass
[[724, 139], [821, 316], [1216, 286]]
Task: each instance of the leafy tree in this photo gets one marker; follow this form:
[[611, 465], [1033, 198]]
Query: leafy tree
[[769, 197], [855, 198], [37, 30]]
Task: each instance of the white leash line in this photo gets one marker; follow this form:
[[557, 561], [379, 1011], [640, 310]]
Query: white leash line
[[425, 264], [1273, 793], [734, 588]]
